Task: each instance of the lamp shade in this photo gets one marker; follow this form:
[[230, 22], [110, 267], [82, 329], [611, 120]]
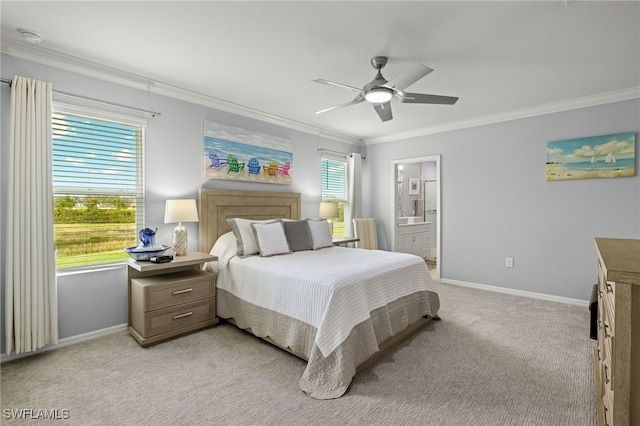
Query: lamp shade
[[328, 209], [180, 211]]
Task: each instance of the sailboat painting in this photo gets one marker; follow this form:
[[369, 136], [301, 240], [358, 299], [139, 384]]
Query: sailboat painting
[[592, 157]]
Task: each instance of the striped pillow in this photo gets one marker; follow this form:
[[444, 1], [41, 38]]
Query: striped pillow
[[320, 233], [270, 238], [245, 236]]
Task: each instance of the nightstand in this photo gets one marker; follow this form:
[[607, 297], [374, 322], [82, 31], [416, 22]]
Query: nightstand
[[170, 299]]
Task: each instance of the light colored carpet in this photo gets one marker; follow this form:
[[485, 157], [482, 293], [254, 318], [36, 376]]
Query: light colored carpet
[[494, 359]]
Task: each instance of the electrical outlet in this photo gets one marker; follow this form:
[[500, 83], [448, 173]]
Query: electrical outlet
[[509, 262]]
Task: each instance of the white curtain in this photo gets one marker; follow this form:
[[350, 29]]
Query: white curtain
[[354, 185], [31, 313]]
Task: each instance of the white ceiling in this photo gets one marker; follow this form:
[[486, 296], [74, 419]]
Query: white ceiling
[[503, 59]]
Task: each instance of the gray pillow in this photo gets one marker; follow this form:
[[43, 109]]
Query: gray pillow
[[298, 235]]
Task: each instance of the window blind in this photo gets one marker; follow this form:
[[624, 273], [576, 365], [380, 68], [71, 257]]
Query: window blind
[[333, 180], [98, 185], [334, 188]]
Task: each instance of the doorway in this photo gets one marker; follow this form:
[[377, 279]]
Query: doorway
[[416, 202]]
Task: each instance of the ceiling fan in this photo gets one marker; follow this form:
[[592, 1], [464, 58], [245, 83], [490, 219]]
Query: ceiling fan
[[379, 91]]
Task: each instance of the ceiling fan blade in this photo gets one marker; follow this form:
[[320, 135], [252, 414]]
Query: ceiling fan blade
[[384, 111], [333, 83], [408, 77], [357, 100], [421, 98]]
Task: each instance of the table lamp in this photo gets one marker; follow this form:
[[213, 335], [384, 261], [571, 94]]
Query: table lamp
[[180, 211], [329, 209]]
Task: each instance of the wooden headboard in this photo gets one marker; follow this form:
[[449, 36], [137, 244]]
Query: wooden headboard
[[218, 205]]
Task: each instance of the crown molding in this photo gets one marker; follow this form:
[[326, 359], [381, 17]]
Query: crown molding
[[60, 60], [587, 101], [55, 59], [71, 63]]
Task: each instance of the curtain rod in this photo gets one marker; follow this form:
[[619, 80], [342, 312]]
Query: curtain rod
[[86, 98], [338, 152]]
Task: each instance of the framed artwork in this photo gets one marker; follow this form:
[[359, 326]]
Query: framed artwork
[[414, 186], [233, 153], [603, 156]]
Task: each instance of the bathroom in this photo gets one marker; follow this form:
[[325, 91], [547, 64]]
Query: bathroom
[[417, 201]]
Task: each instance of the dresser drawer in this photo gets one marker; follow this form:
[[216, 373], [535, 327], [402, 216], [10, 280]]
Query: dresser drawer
[[177, 317], [608, 295], [607, 372], [607, 402], [172, 289], [608, 321], [607, 348]]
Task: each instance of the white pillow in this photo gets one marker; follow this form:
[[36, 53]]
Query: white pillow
[[224, 248], [244, 235], [270, 238], [320, 233]]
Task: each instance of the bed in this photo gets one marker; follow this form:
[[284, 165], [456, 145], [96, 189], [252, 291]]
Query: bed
[[338, 308]]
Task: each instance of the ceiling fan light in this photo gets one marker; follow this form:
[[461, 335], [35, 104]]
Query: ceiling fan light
[[378, 95]]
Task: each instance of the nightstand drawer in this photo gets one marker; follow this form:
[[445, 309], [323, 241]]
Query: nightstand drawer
[[168, 319], [172, 289]]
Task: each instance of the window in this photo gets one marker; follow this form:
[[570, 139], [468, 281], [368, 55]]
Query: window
[[98, 186], [334, 188]]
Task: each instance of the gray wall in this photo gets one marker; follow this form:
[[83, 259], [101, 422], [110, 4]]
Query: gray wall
[[496, 202], [96, 300]]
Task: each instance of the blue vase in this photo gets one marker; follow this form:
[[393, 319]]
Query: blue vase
[[147, 238]]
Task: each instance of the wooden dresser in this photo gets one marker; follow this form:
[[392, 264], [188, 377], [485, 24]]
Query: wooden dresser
[[617, 356]]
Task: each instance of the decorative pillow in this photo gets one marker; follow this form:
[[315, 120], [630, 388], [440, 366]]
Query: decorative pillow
[[224, 248], [298, 234], [320, 233], [270, 238], [224, 245], [245, 237]]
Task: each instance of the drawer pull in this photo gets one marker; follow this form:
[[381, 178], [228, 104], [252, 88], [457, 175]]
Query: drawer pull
[[609, 288], [183, 315], [186, 290], [606, 374]]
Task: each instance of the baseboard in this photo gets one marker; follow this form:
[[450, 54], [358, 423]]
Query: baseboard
[[515, 292], [67, 341]]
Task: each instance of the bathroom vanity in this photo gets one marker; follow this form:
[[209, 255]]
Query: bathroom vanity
[[413, 237]]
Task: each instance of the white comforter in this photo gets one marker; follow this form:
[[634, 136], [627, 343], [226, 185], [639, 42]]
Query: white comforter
[[332, 289]]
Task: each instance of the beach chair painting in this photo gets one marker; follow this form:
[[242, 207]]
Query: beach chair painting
[[254, 166], [216, 161], [233, 165], [233, 153], [284, 170], [271, 169]]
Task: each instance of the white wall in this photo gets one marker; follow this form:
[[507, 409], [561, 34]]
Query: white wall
[[496, 202], [173, 164]]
